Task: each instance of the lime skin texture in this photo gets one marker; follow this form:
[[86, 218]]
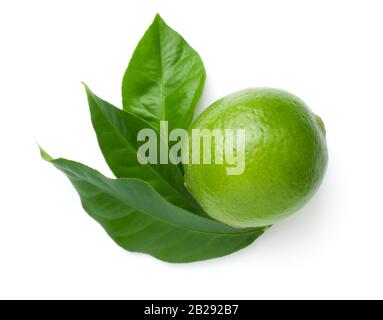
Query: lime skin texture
[[285, 159]]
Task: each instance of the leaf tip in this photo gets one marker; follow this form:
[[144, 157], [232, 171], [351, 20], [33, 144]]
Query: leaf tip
[[158, 19], [44, 154], [85, 86], [264, 229], [88, 92]]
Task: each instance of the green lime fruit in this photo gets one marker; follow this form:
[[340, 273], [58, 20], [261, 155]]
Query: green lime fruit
[[285, 158]]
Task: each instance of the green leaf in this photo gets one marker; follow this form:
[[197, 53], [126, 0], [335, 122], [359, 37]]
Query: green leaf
[[116, 132], [164, 79], [138, 219]]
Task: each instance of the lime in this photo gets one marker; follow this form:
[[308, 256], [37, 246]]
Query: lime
[[285, 158]]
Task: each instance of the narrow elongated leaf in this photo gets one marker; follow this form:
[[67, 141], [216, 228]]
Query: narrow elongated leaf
[[116, 132], [138, 219], [164, 79]]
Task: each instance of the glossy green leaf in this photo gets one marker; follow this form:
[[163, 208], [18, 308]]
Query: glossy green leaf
[[164, 79], [138, 219], [117, 132]]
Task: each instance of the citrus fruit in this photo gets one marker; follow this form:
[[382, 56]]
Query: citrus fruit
[[285, 158]]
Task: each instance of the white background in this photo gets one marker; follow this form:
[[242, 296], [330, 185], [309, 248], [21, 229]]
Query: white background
[[329, 53]]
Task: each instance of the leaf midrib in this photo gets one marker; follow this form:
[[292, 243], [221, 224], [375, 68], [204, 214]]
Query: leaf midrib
[[150, 165], [79, 178], [162, 82]]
